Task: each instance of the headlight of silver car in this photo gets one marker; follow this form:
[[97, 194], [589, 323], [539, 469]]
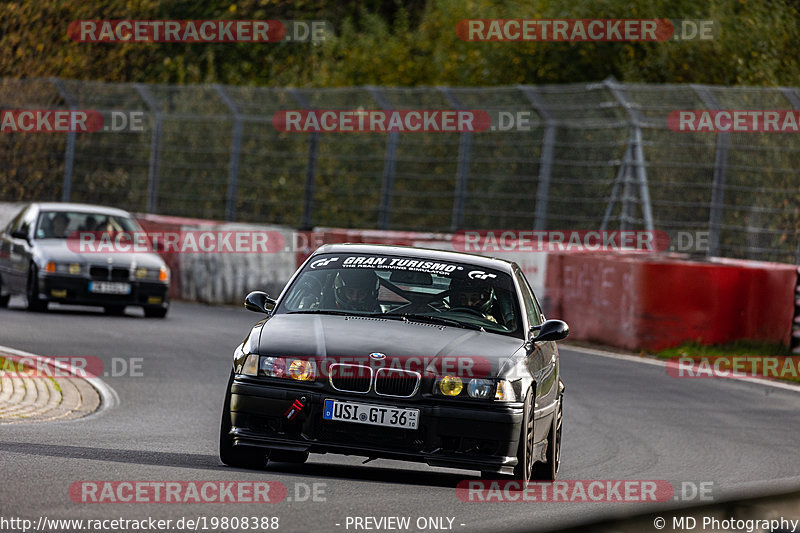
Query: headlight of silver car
[[74, 269], [152, 274]]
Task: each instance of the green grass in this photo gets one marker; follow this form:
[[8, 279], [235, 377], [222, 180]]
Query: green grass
[[708, 354], [741, 348]]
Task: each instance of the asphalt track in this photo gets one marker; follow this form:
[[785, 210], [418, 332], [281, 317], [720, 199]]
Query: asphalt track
[[623, 420]]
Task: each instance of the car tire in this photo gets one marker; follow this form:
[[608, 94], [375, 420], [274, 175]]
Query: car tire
[[155, 312], [549, 471], [524, 468], [35, 304], [3, 299], [287, 456], [236, 456], [114, 310]]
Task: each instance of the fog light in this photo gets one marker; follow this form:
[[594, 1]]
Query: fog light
[[451, 385], [154, 299], [58, 293]]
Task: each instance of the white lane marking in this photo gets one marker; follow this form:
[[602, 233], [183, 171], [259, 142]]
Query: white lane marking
[[663, 363], [108, 396]]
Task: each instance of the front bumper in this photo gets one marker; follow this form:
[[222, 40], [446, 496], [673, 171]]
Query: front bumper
[[474, 438], [75, 290]]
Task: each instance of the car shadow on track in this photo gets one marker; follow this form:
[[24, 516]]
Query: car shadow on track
[[211, 462]]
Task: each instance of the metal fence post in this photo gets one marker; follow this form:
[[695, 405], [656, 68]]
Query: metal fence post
[[389, 163], [637, 161], [720, 175], [311, 169], [462, 170], [155, 147], [69, 152], [236, 150], [546, 158], [794, 99]]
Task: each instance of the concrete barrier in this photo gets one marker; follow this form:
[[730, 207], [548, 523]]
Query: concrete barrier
[[223, 278], [656, 302]]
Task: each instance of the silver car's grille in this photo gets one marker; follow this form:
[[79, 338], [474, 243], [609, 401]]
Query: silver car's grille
[[396, 382], [107, 273], [350, 378]]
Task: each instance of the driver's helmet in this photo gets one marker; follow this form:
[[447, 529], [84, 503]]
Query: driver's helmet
[[357, 290], [471, 293]]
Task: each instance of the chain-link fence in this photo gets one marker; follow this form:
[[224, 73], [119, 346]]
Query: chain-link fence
[[598, 156]]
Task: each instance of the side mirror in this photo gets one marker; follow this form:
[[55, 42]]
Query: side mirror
[[19, 234], [260, 302], [550, 330]]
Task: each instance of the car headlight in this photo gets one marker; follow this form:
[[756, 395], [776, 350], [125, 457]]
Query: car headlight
[[63, 268], [160, 274], [481, 388], [282, 367], [451, 385]]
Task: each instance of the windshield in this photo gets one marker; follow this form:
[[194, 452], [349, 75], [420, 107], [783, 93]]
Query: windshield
[[448, 293], [61, 224]]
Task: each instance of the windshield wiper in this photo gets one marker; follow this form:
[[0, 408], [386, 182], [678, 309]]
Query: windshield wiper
[[434, 320]]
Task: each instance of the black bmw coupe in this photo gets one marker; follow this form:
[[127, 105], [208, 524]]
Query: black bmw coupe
[[401, 353]]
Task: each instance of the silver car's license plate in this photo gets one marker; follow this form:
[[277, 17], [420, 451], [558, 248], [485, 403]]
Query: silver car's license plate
[[364, 413], [109, 287]]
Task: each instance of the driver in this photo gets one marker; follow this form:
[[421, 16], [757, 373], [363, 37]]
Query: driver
[[357, 290], [59, 225], [473, 295]]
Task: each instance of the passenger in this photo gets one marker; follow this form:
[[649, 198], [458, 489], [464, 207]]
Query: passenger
[[473, 295]]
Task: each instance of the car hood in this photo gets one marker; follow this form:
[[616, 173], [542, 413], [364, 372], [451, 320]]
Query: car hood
[[58, 250], [409, 345]]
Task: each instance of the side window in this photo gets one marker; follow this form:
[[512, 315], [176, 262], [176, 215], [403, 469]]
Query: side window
[[22, 221], [14, 224], [531, 308]]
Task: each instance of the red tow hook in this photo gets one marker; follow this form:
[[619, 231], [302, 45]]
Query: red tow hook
[[295, 409]]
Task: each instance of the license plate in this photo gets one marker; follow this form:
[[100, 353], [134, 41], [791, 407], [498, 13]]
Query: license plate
[[376, 415], [109, 287]]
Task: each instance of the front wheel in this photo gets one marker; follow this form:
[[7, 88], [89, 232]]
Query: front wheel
[[236, 456], [34, 302], [3, 299], [525, 460], [549, 471]]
